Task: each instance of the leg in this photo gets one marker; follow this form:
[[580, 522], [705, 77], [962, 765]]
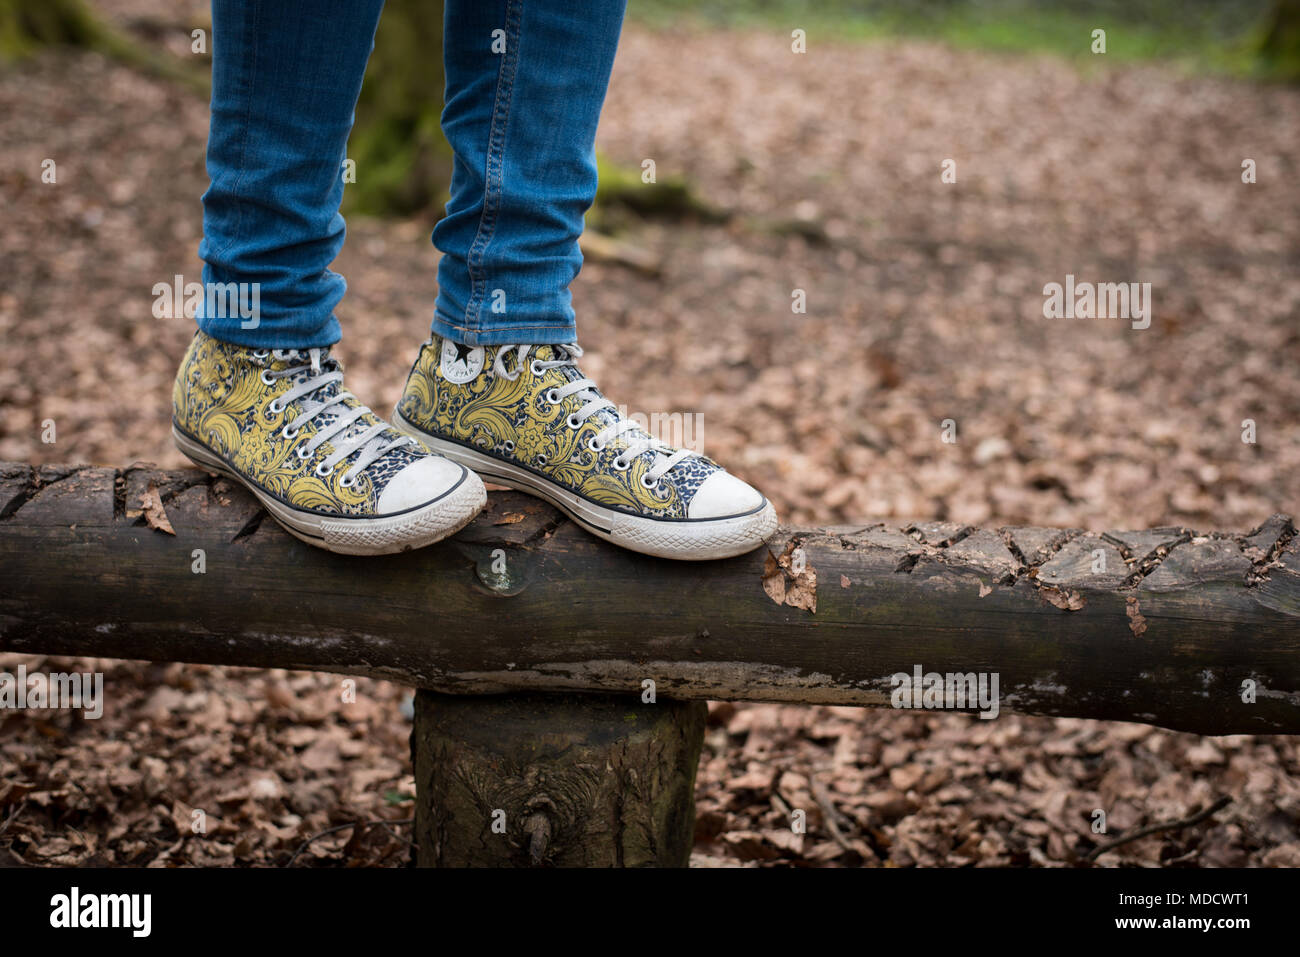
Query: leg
[[285, 81], [525, 84], [498, 388], [263, 401]]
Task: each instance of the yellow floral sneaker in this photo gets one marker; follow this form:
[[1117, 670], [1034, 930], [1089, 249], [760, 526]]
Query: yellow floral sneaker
[[525, 417], [325, 466]]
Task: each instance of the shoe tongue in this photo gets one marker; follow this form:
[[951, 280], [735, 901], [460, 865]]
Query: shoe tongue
[[299, 357]]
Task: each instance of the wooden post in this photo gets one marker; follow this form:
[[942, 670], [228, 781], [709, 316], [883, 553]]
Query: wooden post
[[554, 780]]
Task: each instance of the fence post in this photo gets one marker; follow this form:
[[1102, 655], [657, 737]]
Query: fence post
[[554, 780]]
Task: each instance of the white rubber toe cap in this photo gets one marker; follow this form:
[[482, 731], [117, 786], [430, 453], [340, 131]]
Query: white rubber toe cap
[[422, 481], [722, 495]]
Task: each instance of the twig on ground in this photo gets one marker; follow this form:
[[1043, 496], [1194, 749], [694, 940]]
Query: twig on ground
[[1182, 822], [831, 814], [386, 825], [12, 815]]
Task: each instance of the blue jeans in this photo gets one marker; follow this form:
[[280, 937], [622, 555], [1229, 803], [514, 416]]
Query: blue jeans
[[520, 114]]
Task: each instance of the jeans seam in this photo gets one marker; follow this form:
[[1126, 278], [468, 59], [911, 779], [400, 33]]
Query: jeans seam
[[493, 173], [243, 144]]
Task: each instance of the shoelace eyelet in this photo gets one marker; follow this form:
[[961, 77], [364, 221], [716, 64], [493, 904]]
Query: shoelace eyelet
[[303, 454], [595, 446], [509, 445], [573, 422], [648, 482], [347, 481], [620, 465], [552, 396], [265, 377], [275, 408], [535, 367], [541, 458], [323, 472], [289, 433], [261, 353]]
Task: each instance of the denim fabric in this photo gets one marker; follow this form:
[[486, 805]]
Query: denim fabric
[[522, 125], [521, 111]]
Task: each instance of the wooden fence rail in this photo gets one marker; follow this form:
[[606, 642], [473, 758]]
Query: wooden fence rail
[[1168, 627]]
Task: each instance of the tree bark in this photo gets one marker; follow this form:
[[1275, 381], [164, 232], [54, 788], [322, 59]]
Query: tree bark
[[1193, 632], [27, 25], [546, 780], [1279, 47]]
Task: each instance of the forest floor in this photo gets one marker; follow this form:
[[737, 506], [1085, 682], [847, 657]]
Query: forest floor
[[924, 303]]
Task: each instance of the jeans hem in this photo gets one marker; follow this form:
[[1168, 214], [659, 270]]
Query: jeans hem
[[537, 334], [266, 336]]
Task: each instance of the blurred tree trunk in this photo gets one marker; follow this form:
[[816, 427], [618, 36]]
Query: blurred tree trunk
[[403, 162], [27, 25], [1280, 48]]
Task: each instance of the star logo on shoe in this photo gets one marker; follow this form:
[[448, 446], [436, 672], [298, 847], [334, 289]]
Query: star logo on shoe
[[460, 363]]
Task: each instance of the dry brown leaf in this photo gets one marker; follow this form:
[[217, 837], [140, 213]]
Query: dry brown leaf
[[773, 579], [1069, 601], [220, 489], [155, 515], [510, 518], [784, 585], [1136, 622]]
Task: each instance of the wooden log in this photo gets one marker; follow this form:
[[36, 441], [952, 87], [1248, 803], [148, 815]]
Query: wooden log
[[554, 780], [1194, 632]]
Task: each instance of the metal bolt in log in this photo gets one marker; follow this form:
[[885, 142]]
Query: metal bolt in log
[[554, 780]]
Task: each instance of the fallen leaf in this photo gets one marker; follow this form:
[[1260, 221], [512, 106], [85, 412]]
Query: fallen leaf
[[773, 580], [1069, 601], [1136, 622], [154, 514], [510, 518], [786, 586]]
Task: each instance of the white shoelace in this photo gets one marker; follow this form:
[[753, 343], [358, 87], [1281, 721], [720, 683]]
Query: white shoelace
[[665, 456], [309, 379]]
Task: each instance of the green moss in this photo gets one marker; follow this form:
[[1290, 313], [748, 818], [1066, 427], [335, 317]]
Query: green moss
[[403, 162], [27, 26], [622, 196]]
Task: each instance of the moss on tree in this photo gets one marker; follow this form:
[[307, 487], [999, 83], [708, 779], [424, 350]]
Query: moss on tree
[[27, 26], [403, 162], [1279, 50]]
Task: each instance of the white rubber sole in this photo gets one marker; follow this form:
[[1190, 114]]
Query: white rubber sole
[[421, 526], [685, 540]]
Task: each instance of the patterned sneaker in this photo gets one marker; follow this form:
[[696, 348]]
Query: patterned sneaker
[[524, 416], [325, 466]]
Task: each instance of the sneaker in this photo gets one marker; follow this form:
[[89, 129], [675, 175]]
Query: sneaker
[[327, 468], [525, 417]]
